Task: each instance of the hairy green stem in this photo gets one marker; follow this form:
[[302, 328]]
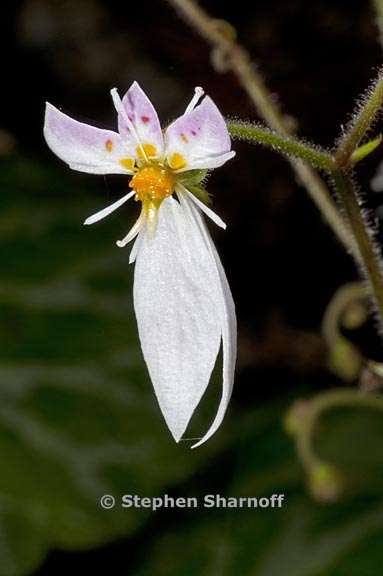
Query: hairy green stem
[[292, 147], [369, 107], [364, 237], [238, 61], [356, 237], [365, 251], [289, 146]]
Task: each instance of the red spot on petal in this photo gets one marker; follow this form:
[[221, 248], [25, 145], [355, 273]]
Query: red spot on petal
[[109, 145], [184, 138], [194, 133], [145, 119]]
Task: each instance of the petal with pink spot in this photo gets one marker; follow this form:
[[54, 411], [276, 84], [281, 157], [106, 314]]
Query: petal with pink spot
[[84, 147], [198, 139], [144, 119]]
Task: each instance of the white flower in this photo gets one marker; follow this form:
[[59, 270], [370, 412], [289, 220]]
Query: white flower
[[182, 300]]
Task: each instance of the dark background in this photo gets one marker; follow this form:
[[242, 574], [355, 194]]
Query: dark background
[[78, 418]]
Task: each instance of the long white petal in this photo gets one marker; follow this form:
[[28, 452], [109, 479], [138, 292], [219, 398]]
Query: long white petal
[[178, 304], [135, 249], [109, 209], [228, 323], [210, 213]]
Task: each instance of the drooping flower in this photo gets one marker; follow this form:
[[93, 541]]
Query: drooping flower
[[182, 299]]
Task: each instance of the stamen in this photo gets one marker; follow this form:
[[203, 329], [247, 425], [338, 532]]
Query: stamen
[[152, 183], [210, 213], [121, 110], [135, 249], [109, 209], [198, 93], [132, 232]]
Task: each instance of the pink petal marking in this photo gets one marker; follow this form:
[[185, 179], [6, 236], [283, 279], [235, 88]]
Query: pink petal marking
[[84, 147], [143, 116], [200, 137]]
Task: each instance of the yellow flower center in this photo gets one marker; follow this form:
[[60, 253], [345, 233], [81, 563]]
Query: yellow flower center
[[152, 183]]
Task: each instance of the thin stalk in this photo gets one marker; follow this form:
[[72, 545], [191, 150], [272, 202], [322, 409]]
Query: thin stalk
[[364, 238], [339, 397], [362, 229], [324, 480], [258, 134], [314, 409], [345, 296], [239, 62], [369, 108], [356, 237]]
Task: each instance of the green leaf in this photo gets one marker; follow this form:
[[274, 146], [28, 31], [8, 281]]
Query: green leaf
[[366, 149], [78, 419], [302, 538], [78, 416]]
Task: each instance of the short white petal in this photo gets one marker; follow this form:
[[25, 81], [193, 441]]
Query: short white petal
[[200, 137], [109, 209], [136, 114], [228, 323], [178, 304], [208, 161], [135, 248], [84, 147]]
